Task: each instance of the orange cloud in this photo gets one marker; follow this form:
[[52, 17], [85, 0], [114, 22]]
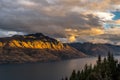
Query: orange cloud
[[73, 33], [91, 32], [72, 38], [117, 21]]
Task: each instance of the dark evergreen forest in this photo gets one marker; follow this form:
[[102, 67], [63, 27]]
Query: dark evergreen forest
[[107, 68]]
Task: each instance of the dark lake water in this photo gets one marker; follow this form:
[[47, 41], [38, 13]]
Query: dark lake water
[[43, 71]]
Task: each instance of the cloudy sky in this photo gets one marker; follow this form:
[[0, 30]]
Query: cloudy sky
[[95, 21]]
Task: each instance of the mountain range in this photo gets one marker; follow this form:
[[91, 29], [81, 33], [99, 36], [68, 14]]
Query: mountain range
[[35, 48], [40, 48], [96, 49]]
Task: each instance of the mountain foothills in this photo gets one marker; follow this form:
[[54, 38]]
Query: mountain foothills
[[35, 48], [96, 49]]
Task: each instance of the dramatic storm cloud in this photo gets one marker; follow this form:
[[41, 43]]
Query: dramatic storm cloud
[[73, 20]]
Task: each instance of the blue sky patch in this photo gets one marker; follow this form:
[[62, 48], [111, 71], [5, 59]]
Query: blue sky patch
[[117, 15]]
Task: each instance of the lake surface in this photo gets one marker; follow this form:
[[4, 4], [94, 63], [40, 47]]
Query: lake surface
[[43, 71]]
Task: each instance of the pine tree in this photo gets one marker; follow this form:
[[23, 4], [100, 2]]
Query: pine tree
[[78, 75], [66, 78], [99, 60], [73, 76]]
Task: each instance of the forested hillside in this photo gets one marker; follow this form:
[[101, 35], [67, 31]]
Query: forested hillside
[[105, 69]]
